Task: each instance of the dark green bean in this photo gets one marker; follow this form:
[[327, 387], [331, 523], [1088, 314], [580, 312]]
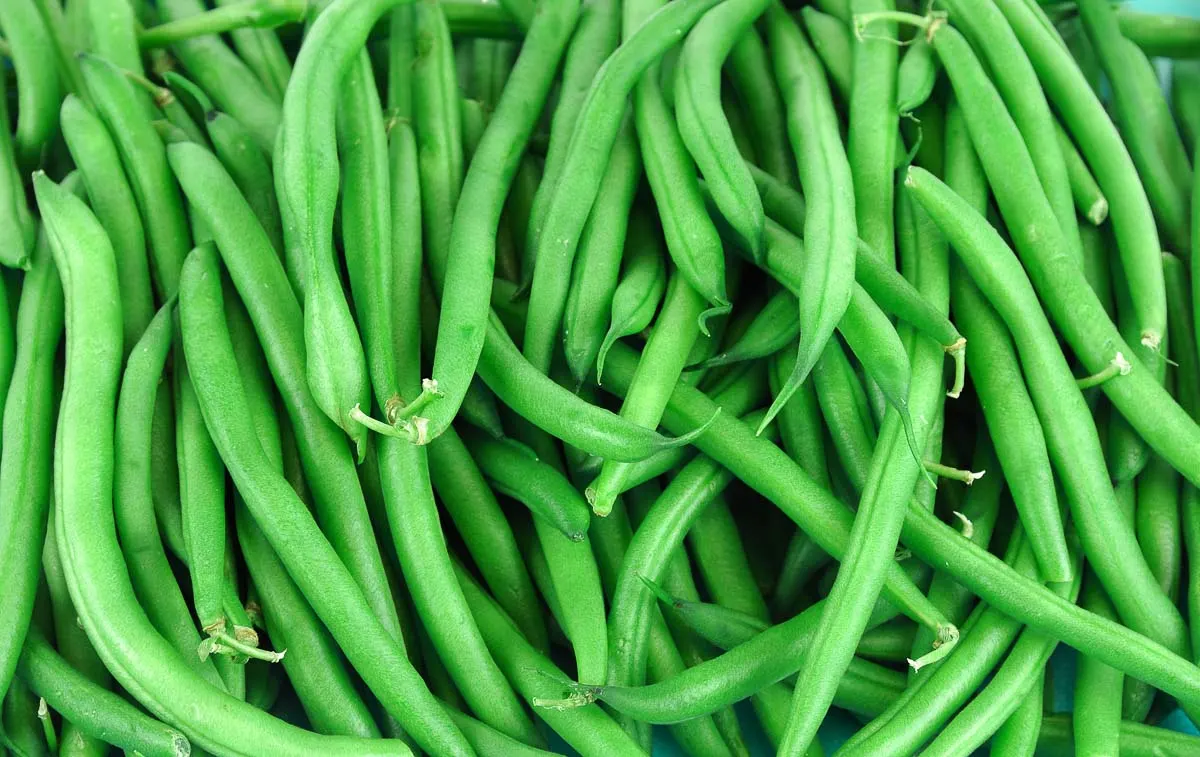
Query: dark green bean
[[1135, 739], [16, 224], [750, 71]]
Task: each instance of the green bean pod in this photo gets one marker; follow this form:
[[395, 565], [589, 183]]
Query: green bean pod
[[142, 661], [263, 53], [94, 710], [825, 175], [749, 68], [692, 239], [596, 35], [1086, 120], [27, 436], [639, 292], [38, 89], [773, 328], [145, 161], [110, 195], [463, 324], [702, 122], [223, 75], [293, 533], [595, 132], [250, 168], [17, 227], [514, 472], [596, 274], [915, 76], [1090, 201]]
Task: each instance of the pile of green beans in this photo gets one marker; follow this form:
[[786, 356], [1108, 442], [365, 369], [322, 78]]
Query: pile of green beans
[[604, 377]]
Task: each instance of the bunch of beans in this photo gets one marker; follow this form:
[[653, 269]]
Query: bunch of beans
[[711, 377]]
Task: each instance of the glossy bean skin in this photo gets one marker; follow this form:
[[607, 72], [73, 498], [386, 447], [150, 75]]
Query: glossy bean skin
[[825, 176], [749, 68], [38, 89], [469, 267], [324, 580], [18, 227], [1014, 75], [597, 127], [692, 239], [306, 180], [91, 556], [25, 493], [149, 571], [250, 168], [223, 75], [596, 274], [702, 122], [1101, 145], [597, 33], [1090, 201], [112, 199], [94, 710]]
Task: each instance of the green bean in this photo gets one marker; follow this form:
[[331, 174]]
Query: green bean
[[16, 224], [829, 223], [150, 573], [144, 158], [1085, 119], [832, 41], [27, 432], [1161, 35], [870, 141], [262, 52], [514, 472], [263, 14], [521, 10], [668, 347], [916, 76], [1136, 740], [1097, 686], [112, 33], [1186, 101], [931, 699], [1071, 435], [462, 328], [782, 204], [1018, 736], [1089, 198], [1016, 79], [232, 85], [471, 18], [595, 277], [110, 195], [94, 710], [750, 71], [722, 561], [1145, 404], [438, 128], [691, 237], [261, 282], [639, 292], [830, 528], [22, 729], [596, 129], [250, 169], [1002, 695], [702, 122], [893, 474], [596, 36], [772, 474], [38, 89], [326, 583], [587, 729], [336, 366], [488, 536], [91, 556], [843, 404]]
